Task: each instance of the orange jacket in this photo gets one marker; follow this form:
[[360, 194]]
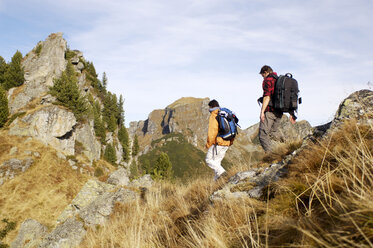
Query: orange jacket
[[213, 130]]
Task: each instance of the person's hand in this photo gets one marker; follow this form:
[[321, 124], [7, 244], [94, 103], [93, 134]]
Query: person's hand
[[262, 116], [292, 119], [207, 146]]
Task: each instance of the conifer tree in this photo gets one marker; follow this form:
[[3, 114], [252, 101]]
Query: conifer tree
[[98, 125], [92, 75], [4, 111], [110, 111], [135, 146], [134, 170], [14, 75], [110, 154], [120, 116], [163, 167], [104, 81], [112, 123], [124, 140], [67, 92], [3, 69]]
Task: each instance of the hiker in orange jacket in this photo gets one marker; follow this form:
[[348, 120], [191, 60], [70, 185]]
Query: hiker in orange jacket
[[217, 146]]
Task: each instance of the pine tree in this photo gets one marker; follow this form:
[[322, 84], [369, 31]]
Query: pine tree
[[67, 93], [134, 170], [14, 75], [110, 112], [98, 125], [112, 123], [120, 116], [104, 81], [124, 140], [110, 154], [3, 69], [135, 146], [92, 75], [163, 167], [4, 111]]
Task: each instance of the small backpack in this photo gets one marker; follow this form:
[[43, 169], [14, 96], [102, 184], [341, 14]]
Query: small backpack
[[228, 123], [285, 97]]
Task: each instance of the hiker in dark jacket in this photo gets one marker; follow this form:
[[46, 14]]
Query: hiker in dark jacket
[[269, 117]]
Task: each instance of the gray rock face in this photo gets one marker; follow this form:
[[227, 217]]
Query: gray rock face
[[92, 206], [10, 168], [251, 183], [29, 235], [40, 70], [144, 181], [359, 105], [89, 193], [52, 125], [99, 210], [119, 177], [69, 234], [85, 134]]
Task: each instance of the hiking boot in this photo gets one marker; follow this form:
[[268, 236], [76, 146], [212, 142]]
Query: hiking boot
[[223, 175]]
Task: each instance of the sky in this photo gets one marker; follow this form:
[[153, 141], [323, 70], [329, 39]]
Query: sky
[[157, 51]]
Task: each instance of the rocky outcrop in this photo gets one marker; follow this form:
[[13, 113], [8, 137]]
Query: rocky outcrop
[[92, 206], [30, 234], [88, 194], [40, 70], [251, 183], [187, 115], [358, 105], [52, 125], [119, 177], [69, 234], [85, 134], [10, 168]]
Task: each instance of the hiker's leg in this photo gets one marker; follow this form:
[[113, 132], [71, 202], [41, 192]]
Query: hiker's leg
[[275, 130], [214, 156], [265, 129], [221, 153]]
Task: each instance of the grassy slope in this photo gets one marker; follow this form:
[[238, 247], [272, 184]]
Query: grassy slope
[[187, 161], [43, 191], [325, 201]]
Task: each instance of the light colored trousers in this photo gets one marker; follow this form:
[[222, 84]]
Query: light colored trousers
[[269, 129], [214, 156]]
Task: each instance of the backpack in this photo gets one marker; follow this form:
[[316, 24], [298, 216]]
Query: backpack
[[285, 96], [227, 124]]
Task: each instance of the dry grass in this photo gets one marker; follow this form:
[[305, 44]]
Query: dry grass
[[325, 201]]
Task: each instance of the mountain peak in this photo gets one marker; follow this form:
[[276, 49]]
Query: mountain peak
[[186, 101]]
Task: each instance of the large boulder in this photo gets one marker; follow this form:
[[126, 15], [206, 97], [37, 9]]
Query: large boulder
[[30, 234], [358, 105], [98, 211], [40, 70], [85, 134], [12, 167], [88, 194], [52, 125], [68, 234]]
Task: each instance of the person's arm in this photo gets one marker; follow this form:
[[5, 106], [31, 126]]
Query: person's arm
[[292, 118], [266, 100]]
